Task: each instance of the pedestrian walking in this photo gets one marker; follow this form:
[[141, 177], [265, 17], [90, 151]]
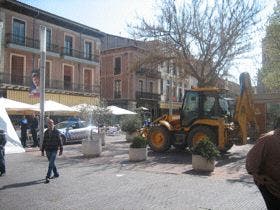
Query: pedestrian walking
[[3, 142], [52, 141], [34, 128], [23, 127], [263, 162]]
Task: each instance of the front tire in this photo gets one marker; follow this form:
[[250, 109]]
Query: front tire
[[159, 139], [199, 133]]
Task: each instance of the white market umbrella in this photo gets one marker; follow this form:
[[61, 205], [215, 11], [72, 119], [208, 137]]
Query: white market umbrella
[[81, 107], [119, 111], [17, 107], [55, 107], [13, 143]]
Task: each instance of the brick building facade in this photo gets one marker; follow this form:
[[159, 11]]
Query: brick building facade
[[124, 82], [72, 74]]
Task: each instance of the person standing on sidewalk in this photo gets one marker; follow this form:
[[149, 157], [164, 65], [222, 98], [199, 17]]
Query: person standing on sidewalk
[[23, 127], [3, 142], [51, 143], [34, 126], [263, 162]]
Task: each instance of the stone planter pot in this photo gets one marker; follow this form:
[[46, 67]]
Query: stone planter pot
[[137, 154], [91, 147], [200, 163], [130, 136]]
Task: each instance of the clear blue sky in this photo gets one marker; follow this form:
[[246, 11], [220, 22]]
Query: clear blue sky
[[112, 16]]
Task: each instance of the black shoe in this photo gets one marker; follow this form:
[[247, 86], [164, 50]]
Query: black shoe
[[47, 180], [54, 176], [2, 174]]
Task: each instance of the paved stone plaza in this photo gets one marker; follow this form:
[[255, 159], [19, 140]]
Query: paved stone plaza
[[164, 181]]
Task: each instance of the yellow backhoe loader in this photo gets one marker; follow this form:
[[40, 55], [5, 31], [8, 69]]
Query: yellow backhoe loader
[[205, 113]]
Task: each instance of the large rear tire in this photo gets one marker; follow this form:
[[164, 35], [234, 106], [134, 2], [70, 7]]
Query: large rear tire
[[199, 133], [159, 139]]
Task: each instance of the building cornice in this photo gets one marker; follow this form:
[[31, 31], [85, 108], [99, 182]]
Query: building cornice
[[28, 10]]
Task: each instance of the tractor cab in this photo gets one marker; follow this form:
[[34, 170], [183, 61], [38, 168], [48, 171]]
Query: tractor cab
[[203, 103]]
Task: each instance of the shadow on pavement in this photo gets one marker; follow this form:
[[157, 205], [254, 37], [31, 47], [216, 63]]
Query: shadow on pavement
[[199, 173], [229, 158], [23, 184], [172, 156], [230, 166], [244, 179]]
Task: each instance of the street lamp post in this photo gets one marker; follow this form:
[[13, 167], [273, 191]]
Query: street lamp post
[[42, 80]]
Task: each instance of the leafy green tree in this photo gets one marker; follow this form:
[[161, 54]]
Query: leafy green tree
[[270, 72], [200, 37]]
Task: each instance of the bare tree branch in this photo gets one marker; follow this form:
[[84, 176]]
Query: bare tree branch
[[201, 37]]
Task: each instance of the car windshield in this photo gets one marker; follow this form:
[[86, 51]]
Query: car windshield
[[73, 124], [62, 125]]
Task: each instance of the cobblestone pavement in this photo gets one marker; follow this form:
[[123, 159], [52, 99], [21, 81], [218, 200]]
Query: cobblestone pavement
[[164, 181]]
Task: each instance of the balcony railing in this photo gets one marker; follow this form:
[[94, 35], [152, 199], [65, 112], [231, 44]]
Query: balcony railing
[[18, 80], [78, 54], [29, 42], [33, 43], [147, 95], [153, 73], [15, 79]]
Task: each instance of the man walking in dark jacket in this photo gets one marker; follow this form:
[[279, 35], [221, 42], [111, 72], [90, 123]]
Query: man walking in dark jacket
[[51, 143]]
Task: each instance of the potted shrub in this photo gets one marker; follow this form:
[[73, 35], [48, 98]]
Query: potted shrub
[[203, 156], [138, 149], [130, 124]]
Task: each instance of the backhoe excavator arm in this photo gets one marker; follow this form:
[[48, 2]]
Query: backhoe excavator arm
[[244, 111]]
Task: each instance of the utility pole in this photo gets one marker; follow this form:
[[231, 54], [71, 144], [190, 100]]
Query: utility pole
[[170, 67], [43, 35], [1, 48]]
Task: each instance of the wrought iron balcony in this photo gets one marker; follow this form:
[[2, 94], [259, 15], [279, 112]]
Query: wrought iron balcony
[[147, 96], [78, 54], [35, 44], [76, 87], [153, 73], [29, 42], [18, 80]]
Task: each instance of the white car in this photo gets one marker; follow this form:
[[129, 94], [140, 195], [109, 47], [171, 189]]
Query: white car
[[73, 131]]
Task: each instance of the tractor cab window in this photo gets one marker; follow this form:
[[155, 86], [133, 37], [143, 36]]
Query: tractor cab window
[[191, 102], [214, 106], [190, 109], [224, 106], [208, 105]]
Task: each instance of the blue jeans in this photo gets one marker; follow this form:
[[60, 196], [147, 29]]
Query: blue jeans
[[51, 155]]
